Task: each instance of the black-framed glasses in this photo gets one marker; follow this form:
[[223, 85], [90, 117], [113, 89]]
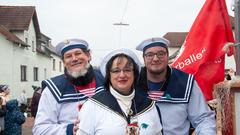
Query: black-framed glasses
[[159, 54], [118, 70]]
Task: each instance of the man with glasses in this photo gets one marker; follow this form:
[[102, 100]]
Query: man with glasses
[[177, 94]]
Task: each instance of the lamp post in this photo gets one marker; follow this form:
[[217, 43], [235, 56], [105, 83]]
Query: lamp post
[[121, 24], [237, 34]]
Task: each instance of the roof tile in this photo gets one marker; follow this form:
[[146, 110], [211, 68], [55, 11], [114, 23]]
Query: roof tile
[[176, 38], [16, 17], [11, 37]]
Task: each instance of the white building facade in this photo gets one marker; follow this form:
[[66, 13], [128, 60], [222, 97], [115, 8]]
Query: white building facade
[[25, 61]]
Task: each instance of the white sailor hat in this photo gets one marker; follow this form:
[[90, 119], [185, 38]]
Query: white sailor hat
[[125, 51], [143, 46], [69, 44]]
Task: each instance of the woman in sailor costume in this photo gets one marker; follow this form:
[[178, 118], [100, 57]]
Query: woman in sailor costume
[[119, 110], [177, 94], [63, 95]]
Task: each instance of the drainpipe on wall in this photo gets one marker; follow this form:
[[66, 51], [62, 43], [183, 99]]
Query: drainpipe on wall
[[237, 34]]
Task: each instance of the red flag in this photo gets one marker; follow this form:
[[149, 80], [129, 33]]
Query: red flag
[[202, 53]]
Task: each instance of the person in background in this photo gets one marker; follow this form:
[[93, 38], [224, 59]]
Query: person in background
[[228, 77], [231, 74], [120, 109], [177, 94], [23, 102], [5, 92], [4, 96], [35, 101], [2, 115], [14, 118], [63, 95]]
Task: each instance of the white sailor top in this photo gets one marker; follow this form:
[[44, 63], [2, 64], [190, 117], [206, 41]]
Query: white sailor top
[[182, 103], [102, 115], [59, 105]]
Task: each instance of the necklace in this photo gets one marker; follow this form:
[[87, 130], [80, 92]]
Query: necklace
[[132, 127], [126, 103], [164, 82], [155, 86], [127, 108], [155, 92]]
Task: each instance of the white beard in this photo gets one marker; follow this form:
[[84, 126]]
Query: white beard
[[80, 73]]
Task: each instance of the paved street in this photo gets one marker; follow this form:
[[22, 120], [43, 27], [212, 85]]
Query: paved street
[[27, 126]]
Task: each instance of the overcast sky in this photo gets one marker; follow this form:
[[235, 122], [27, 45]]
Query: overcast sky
[[92, 20]]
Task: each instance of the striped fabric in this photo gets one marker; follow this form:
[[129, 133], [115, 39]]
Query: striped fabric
[[88, 90], [155, 95]]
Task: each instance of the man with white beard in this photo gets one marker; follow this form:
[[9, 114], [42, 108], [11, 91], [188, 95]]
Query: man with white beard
[[63, 95]]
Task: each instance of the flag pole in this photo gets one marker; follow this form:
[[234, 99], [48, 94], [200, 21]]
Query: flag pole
[[237, 34]]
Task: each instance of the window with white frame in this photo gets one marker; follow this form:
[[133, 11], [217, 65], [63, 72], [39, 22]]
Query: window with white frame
[[23, 69], [54, 64], [45, 73], [26, 40], [33, 47], [60, 66], [35, 73]]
